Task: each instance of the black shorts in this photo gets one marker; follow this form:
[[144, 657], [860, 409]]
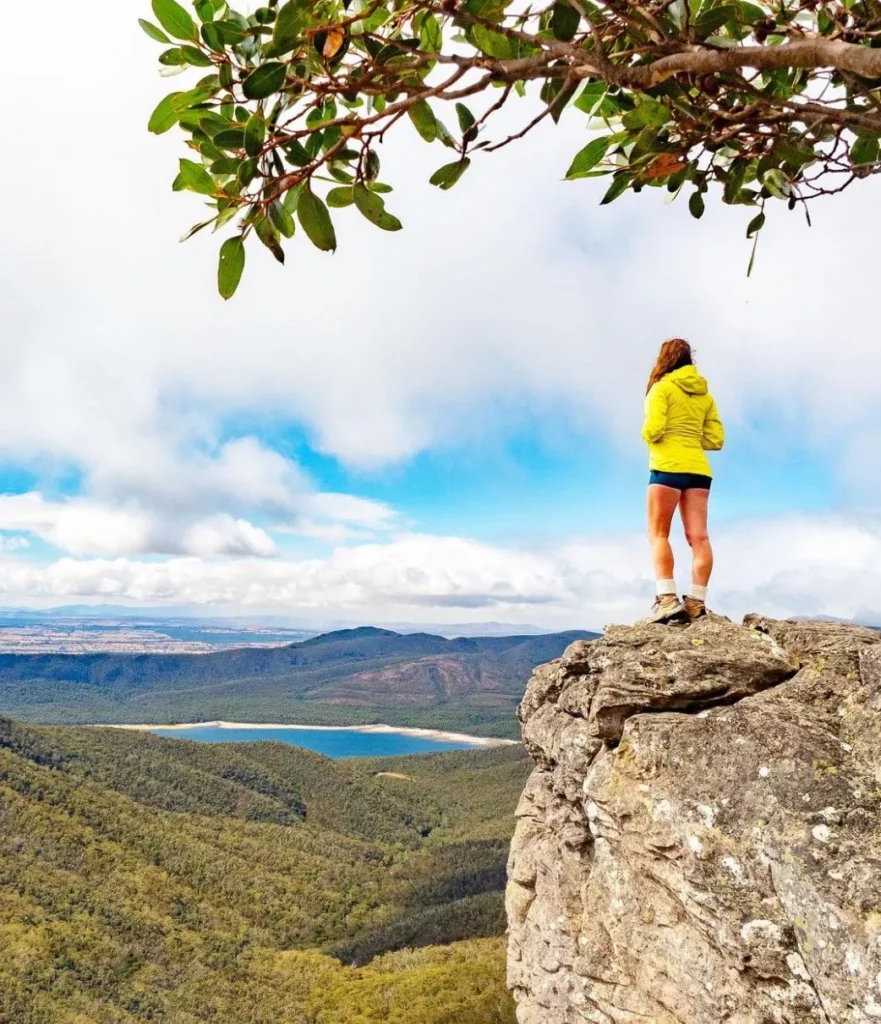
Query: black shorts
[[681, 481]]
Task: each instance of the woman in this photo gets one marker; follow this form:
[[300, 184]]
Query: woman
[[681, 425]]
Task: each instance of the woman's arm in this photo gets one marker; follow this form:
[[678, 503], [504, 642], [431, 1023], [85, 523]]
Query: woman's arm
[[713, 436], [656, 404]]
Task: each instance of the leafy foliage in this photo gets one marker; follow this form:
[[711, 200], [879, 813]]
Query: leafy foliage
[[144, 879], [767, 100]]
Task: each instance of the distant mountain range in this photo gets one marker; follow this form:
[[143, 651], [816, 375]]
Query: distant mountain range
[[189, 618], [348, 677]]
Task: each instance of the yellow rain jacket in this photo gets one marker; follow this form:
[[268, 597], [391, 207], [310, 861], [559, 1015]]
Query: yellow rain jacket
[[681, 423]]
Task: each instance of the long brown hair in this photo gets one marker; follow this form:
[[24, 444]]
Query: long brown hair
[[675, 352]]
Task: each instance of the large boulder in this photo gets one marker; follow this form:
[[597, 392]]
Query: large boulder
[[700, 841]]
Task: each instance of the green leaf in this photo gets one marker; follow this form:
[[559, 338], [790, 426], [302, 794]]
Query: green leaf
[[196, 228], [209, 150], [649, 112], [269, 237], [153, 32], [195, 57], [776, 183], [447, 176], [340, 197], [371, 165], [424, 120], [291, 198], [445, 137], [755, 225], [168, 112], [752, 255], [174, 19], [226, 165], [431, 36], [493, 44], [712, 18], [230, 267], [247, 170], [225, 216], [205, 9], [315, 220], [795, 153], [373, 208], [864, 151], [281, 219], [696, 205], [565, 21], [467, 123], [558, 96], [230, 138], [205, 88], [264, 81], [210, 122], [466, 118], [296, 154], [591, 96], [231, 33], [618, 187], [196, 178], [587, 158], [213, 38], [293, 18], [255, 133], [173, 57]]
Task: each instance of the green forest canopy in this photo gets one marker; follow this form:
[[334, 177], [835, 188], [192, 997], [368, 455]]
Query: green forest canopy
[[774, 99], [144, 879]]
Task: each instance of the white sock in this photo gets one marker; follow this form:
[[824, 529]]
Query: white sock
[[666, 587], [698, 593]]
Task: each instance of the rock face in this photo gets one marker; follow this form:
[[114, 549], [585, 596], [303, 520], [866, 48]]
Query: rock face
[[700, 841]]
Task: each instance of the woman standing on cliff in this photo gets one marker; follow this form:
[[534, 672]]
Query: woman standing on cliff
[[681, 425]]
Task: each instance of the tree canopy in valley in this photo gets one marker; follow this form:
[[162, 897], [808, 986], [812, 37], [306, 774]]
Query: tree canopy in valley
[[746, 101]]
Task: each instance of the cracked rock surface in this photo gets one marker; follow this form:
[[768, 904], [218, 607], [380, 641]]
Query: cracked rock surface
[[700, 841]]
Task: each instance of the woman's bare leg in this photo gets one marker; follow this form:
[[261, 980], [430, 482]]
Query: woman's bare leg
[[662, 502], [693, 509]]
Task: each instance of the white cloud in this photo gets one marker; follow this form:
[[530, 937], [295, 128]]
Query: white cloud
[[85, 527], [223, 535], [513, 295], [788, 566], [513, 292]]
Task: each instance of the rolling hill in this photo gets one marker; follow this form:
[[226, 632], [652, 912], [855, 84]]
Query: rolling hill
[[144, 879], [353, 676]]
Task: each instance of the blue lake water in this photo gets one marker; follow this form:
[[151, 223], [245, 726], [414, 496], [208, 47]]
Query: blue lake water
[[330, 742]]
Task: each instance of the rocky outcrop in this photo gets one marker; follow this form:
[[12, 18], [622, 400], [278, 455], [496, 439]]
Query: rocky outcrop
[[700, 841]]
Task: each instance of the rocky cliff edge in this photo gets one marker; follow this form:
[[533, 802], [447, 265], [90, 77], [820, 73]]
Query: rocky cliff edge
[[700, 841]]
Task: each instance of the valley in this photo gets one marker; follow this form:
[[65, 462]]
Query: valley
[[153, 879]]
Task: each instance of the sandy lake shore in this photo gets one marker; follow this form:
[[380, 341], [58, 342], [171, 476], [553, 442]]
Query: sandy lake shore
[[428, 734]]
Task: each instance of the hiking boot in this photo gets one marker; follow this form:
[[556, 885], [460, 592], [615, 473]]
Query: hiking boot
[[694, 609], [667, 608]]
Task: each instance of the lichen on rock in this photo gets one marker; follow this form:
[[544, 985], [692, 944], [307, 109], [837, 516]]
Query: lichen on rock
[[700, 841]]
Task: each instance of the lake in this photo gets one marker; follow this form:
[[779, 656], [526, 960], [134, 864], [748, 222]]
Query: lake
[[334, 743]]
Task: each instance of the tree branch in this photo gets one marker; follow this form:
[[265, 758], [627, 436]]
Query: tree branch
[[802, 53]]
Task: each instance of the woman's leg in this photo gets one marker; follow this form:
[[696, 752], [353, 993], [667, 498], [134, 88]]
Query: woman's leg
[[662, 502], [693, 509]]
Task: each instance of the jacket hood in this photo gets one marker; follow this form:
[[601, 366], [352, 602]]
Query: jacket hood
[[691, 382]]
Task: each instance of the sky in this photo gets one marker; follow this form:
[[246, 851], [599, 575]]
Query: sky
[[437, 425]]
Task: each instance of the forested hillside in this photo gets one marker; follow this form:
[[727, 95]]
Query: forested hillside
[[150, 879], [351, 677]]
